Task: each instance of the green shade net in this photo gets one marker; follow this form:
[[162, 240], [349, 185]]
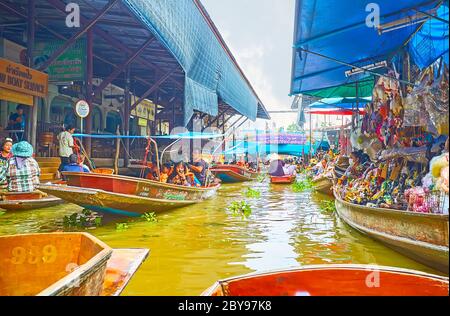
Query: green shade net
[[347, 90]]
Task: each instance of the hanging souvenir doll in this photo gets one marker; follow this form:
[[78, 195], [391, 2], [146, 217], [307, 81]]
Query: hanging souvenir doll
[[365, 126]]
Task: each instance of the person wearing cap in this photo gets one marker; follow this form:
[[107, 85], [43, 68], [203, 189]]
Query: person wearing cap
[[75, 165], [5, 155], [23, 170], [17, 122]]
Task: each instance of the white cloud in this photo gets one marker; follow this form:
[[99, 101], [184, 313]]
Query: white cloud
[[259, 36]]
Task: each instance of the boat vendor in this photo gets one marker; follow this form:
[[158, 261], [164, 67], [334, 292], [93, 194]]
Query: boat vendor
[[5, 155], [199, 167], [23, 170], [358, 162], [76, 166], [276, 167], [320, 167], [66, 145]]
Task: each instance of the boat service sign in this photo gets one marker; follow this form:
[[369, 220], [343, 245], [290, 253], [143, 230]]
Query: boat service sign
[[82, 108], [21, 79]]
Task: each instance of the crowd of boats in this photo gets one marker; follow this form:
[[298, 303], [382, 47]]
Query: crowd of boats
[[86, 266]]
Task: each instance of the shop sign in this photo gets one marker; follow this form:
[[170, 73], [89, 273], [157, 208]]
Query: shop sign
[[19, 78], [146, 110], [82, 108], [69, 66], [16, 97], [142, 122]]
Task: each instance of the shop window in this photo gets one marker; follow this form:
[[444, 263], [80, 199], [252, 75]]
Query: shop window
[[113, 120], [96, 119]]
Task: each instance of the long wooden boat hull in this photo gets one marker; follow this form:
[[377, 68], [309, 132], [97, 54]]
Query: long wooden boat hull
[[333, 280], [422, 237], [114, 203], [324, 185], [55, 264], [30, 204], [233, 173], [138, 187], [283, 180]]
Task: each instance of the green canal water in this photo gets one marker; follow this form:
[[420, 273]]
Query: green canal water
[[193, 247]]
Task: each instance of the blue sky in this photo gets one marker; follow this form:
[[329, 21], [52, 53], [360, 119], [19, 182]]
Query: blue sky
[[259, 33]]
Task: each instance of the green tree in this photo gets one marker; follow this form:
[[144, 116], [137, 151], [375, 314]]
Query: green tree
[[293, 128]]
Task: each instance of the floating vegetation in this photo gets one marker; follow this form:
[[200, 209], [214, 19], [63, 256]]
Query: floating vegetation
[[241, 208], [121, 226], [303, 185], [150, 217], [85, 219], [261, 177], [2, 213], [252, 193], [328, 206]]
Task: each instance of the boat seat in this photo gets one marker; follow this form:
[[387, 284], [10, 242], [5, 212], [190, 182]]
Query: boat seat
[[22, 195]]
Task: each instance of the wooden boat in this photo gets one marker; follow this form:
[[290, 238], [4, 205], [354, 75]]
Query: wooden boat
[[12, 201], [120, 268], [126, 195], [333, 280], [64, 264], [323, 185], [71, 264], [233, 173], [282, 180], [422, 237]]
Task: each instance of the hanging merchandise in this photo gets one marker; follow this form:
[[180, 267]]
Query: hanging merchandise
[[437, 105]]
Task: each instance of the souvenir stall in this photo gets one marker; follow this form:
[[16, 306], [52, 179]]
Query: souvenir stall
[[405, 137]]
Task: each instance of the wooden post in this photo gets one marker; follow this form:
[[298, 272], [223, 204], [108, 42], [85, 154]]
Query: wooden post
[[31, 125], [88, 83], [126, 123], [116, 159]]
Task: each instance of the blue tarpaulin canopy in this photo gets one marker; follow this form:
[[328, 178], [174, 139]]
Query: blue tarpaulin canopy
[[211, 72], [340, 103], [337, 29], [431, 42]]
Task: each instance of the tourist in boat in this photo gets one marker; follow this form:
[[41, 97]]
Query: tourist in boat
[[66, 145], [192, 178], [76, 166], [289, 168], [5, 155], [179, 176], [23, 170], [199, 167], [5, 148], [166, 171], [153, 173]]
